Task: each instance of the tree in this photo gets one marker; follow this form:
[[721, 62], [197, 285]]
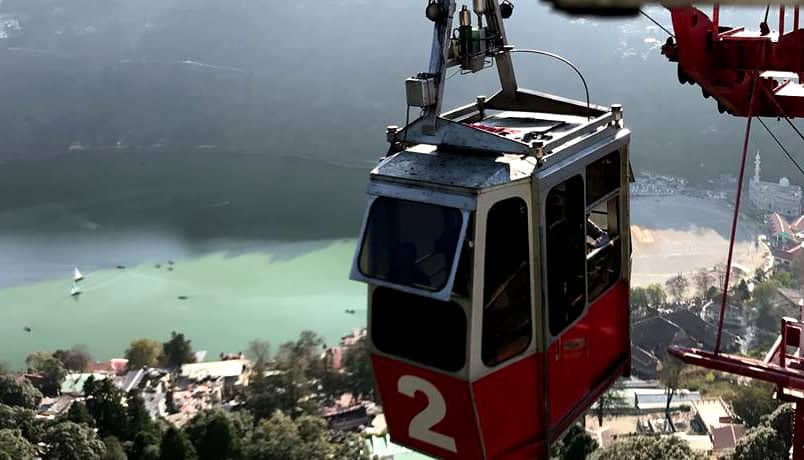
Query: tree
[[13, 446], [76, 358], [741, 291], [639, 301], [677, 286], [350, 446], [105, 403], [759, 275], [608, 402], [720, 275], [137, 417], [669, 375], [765, 291], [639, 297], [177, 350], [51, 370], [357, 366], [302, 352], [20, 392], [78, 413], [266, 394], [281, 438], [751, 402], [13, 418], [781, 420], [783, 277], [34, 360], [577, 444], [259, 351], [114, 450], [213, 435], [144, 447], [766, 319], [656, 295], [647, 447], [176, 446], [331, 382], [762, 443], [703, 281], [712, 293], [170, 403], [70, 441], [143, 353]]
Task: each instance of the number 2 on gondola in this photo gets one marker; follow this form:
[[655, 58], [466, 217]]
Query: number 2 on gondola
[[420, 425]]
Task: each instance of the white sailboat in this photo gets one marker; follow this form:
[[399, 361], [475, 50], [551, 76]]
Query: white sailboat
[[77, 276], [75, 290]]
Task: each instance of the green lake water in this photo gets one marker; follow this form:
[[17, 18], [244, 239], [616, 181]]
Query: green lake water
[[231, 300]]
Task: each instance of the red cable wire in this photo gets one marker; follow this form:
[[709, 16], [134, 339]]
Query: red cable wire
[[736, 215]]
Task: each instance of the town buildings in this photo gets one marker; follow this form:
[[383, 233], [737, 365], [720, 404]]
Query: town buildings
[[770, 197]]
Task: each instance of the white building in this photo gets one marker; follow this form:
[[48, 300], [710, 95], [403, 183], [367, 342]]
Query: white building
[[771, 197]]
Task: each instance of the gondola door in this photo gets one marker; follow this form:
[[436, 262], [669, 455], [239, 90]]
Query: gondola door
[[586, 278], [506, 346]]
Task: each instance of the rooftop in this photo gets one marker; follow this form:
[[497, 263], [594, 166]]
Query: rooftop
[[215, 369], [427, 164], [713, 412], [74, 383]]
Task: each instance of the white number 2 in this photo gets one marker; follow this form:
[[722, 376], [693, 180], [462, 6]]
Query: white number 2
[[434, 412]]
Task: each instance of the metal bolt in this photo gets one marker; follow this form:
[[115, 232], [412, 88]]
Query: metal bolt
[[481, 105], [537, 149], [617, 110], [390, 132]]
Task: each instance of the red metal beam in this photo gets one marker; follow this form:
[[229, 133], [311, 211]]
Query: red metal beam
[[747, 367], [798, 432], [715, 20]]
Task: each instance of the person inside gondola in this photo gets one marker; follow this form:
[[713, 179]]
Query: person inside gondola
[[596, 237]]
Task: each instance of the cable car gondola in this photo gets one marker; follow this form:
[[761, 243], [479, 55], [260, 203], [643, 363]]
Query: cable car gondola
[[496, 251]]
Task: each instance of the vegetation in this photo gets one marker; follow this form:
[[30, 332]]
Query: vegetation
[[761, 443], [357, 365], [306, 438], [21, 393], [656, 295], [647, 447], [278, 420], [177, 351], [259, 351], [576, 444], [13, 446], [645, 300], [703, 281], [71, 441], [751, 402], [114, 450], [78, 413], [142, 353], [784, 278], [104, 403], [676, 287], [608, 402], [781, 420], [49, 368], [75, 359], [213, 435], [176, 446], [670, 376], [13, 418]]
